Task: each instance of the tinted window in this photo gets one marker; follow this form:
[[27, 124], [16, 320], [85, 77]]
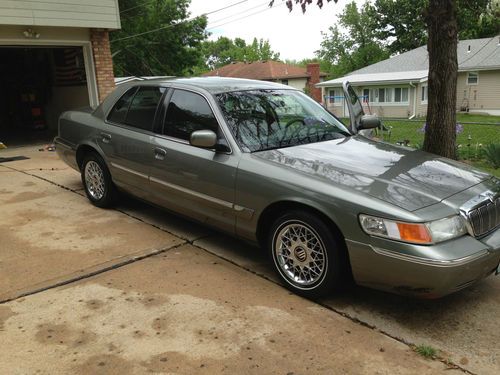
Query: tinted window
[[141, 112], [119, 111], [186, 113]]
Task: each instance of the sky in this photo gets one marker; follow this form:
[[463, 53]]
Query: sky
[[294, 35]]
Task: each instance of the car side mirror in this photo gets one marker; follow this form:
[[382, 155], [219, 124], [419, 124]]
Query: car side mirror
[[369, 122], [203, 139]]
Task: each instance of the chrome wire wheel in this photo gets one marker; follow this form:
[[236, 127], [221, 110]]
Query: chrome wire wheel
[[300, 254], [94, 180]]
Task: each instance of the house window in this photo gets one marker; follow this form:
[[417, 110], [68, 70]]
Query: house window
[[381, 95], [401, 95], [388, 95], [472, 78], [335, 96], [425, 94], [284, 81], [366, 96]]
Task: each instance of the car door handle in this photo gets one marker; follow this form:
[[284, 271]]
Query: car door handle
[[160, 153], [106, 138]]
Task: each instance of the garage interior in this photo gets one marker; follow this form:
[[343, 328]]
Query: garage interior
[[37, 84]]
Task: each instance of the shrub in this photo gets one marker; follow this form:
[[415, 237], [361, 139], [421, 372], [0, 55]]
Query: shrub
[[492, 154]]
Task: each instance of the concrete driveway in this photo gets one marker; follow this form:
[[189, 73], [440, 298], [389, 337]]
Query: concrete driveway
[[137, 289]]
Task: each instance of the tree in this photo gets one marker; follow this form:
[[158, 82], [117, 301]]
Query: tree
[[399, 22], [157, 38], [357, 46], [224, 51], [441, 19]]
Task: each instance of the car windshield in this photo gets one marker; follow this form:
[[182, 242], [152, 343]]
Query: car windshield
[[267, 119]]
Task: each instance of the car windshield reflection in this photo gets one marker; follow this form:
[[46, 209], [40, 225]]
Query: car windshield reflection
[[268, 119]]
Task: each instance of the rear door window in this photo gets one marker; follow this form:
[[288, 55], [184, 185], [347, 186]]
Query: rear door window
[[186, 113], [142, 110], [119, 111]]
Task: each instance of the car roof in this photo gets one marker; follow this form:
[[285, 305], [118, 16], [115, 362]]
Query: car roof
[[216, 85]]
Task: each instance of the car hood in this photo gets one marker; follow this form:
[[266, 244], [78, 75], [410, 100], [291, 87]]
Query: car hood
[[408, 178]]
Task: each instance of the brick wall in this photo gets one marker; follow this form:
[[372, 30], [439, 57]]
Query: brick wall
[[313, 70], [103, 62]]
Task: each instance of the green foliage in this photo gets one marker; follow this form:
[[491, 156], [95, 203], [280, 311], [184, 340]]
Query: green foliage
[[324, 65], [426, 351], [357, 46], [224, 51], [402, 24], [492, 154], [173, 49]]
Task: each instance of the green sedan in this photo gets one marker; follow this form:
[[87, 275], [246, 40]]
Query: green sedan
[[266, 163]]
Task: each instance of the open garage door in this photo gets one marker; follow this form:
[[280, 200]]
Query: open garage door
[[37, 84]]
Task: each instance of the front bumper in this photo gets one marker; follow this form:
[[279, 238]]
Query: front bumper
[[428, 277]]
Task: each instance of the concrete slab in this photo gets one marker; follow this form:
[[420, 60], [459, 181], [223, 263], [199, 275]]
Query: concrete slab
[[189, 312], [49, 234], [44, 164], [241, 253], [463, 326]]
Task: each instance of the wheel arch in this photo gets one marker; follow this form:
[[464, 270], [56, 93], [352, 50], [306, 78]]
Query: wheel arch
[[85, 148], [275, 209]]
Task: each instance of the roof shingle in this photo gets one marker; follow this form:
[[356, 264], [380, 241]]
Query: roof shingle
[[262, 70]]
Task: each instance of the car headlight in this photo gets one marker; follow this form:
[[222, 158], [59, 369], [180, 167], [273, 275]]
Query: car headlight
[[420, 233]]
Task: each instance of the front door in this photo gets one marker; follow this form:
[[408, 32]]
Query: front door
[[190, 180]]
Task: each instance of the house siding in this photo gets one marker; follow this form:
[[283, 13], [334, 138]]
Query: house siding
[[298, 83], [483, 96], [421, 110], [69, 13]]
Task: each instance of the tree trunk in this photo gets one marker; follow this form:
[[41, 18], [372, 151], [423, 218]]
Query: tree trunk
[[440, 134]]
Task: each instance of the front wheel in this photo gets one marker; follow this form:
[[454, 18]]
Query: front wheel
[[97, 182], [306, 254]]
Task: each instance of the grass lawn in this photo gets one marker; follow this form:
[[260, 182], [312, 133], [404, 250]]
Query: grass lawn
[[470, 141]]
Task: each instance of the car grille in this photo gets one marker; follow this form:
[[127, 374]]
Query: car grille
[[485, 218]]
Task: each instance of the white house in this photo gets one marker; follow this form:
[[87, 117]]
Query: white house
[[397, 87]]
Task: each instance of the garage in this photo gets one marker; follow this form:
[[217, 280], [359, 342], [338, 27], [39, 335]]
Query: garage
[[38, 83], [55, 55]]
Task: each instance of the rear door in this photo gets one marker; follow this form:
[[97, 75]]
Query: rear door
[[194, 181], [126, 141]]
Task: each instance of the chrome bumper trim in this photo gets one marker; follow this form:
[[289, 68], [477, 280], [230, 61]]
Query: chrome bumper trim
[[431, 262]]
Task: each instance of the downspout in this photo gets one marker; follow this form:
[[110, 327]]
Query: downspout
[[414, 102]]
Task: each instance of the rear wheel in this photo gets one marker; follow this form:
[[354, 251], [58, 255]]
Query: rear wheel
[[97, 182], [306, 254]]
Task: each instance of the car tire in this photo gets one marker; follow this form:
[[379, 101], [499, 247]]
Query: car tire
[[307, 254], [97, 181]]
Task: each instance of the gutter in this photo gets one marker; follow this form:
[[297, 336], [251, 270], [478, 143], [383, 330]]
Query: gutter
[[414, 102]]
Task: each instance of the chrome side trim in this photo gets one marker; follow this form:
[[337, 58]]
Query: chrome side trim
[[130, 170], [218, 201], [243, 212], [431, 262]]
